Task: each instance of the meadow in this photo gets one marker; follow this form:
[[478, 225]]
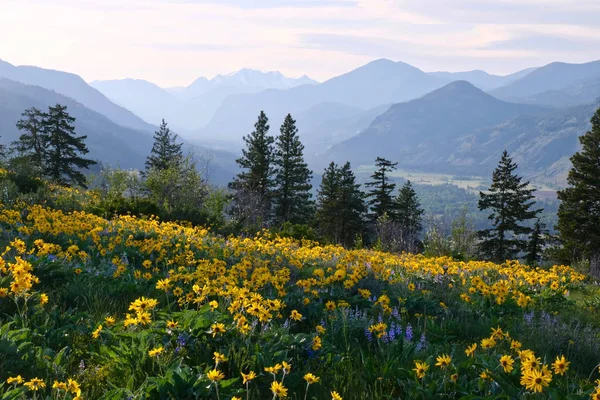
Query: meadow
[[136, 308]]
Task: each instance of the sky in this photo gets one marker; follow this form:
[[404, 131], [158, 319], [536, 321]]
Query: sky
[[173, 42]]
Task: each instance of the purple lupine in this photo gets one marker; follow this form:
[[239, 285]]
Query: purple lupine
[[384, 337], [408, 336], [368, 335], [422, 343], [392, 333], [398, 330], [286, 324], [528, 317], [396, 313]]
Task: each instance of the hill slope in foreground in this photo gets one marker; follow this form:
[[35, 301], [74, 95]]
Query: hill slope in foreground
[[143, 309]]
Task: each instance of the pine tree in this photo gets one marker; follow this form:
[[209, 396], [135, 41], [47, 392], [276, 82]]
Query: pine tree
[[579, 211], [408, 214], [328, 205], [381, 201], [61, 159], [510, 202], [536, 243], [352, 207], [292, 177], [165, 150], [31, 143], [340, 206], [253, 187]]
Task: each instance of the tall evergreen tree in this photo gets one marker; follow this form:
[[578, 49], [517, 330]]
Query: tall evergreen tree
[[31, 143], [381, 200], [340, 206], [253, 187], [510, 202], [352, 206], [165, 150], [328, 205], [536, 243], [579, 211], [292, 177], [61, 159], [408, 214]]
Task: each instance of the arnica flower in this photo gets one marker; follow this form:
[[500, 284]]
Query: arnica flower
[[213, 305], [73, 387], [330, 305], [295, 315], [336, 396], [219, 358], [507, 363], [43, 299], [488, 343], [317, 344], [163, 284], [35, 384], [172, 324], [96, 333], [530, 363], [470, 351], [536, 379], [109, 321], [561, 365], [443, 361], [16, 380], [217, 329], [515, 345], [155, 351], [274, 369], [454, 377], [278, 389], [420, 369], [310, 378], [248, 377], [215, 375], [287, 368], [59, 385]]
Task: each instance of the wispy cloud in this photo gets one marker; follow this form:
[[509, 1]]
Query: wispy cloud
[[172, 42]]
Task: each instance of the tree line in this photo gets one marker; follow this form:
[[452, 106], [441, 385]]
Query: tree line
[[274, 191]]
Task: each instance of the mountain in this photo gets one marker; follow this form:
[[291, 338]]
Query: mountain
[[423, 133], [144, 98], [108, 142], [482, 79], [189, 108], [554, 76], [73, 86], [584, 91], [374, 84]]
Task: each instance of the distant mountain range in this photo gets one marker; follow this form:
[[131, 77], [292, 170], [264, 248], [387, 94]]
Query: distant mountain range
[[189, 108], [454, 122]]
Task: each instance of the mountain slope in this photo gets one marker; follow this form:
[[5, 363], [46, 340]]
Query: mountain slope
[[421, 133], [482, 79], [73, 86], [374, 84], [554, 76], [584, 91], [107, 141]]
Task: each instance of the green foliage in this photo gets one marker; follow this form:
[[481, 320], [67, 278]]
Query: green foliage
[[340, 206], [579, 214], [165, 150], [381, 200], [292, 195], [510, 202], [408, 214], [31, 144]]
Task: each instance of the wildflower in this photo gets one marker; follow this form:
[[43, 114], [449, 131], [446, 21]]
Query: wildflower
[[443, 361], [163, 284], [59, 385], [172, 324], [507, 363], [515, 345], [96, 333], [411, 287], [213, 305], [73, 387], [155, 351], [320, 329], [470, 351], [248, 377], [561, 365], [497, 333], [420, 369], [454, 377], [43, 299], [16, 380], [488, 343], [219, 358], [316, 343], [335, 396], [287, 368], [295, 315], [109, 321], [274, 369], [330, 305], [536, 379], [215, 375], [35, 384], [278, 389], [530, 363], [485, 375], [310, 378], [217, 328]]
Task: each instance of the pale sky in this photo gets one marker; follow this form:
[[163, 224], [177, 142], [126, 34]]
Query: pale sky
[[172, 42]]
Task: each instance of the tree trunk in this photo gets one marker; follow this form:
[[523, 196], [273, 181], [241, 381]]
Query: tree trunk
[[595, 264]]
